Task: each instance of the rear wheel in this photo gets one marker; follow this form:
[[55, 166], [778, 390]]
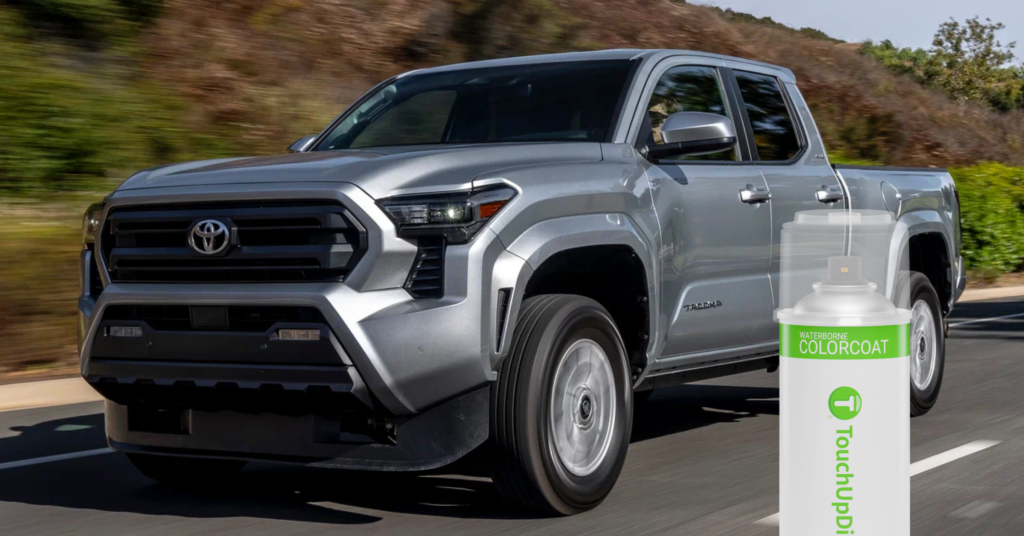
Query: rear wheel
[[561, 408], [184, 471], [927, 345]]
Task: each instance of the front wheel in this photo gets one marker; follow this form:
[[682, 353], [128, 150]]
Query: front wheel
[[562, 407]]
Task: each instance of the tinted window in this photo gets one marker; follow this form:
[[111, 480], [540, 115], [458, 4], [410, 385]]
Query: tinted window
[[774, 132], [573, 101], [687, 89]]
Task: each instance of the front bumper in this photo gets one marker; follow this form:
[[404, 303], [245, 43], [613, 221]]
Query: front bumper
[[397, 359]]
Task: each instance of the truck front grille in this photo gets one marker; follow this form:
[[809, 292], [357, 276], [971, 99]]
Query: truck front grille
[[269, 242]]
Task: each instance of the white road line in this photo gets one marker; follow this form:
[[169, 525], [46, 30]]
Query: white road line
[[55, 458], [917, 468], [928, 464], [965, 322], [974, 510]]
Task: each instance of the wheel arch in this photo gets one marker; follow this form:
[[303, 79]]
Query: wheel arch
[[611, 248], [929, 250]]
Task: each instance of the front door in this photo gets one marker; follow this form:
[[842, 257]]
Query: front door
[[716, 243]]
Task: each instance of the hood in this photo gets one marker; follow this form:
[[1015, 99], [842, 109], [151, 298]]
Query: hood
[[381, 172]]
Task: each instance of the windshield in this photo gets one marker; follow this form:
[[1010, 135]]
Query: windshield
[[571, 101]]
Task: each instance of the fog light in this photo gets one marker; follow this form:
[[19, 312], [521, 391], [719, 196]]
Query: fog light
[[298, 334], [124, 331]]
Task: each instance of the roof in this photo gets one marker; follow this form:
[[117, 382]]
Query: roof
[[611, 54]]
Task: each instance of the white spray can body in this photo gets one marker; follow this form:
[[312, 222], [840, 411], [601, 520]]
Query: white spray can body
[[844, 413]]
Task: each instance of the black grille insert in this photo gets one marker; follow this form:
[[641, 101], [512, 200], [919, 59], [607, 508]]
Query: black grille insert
[[271, 242], [92, 269], [426, 280], [243, 318]]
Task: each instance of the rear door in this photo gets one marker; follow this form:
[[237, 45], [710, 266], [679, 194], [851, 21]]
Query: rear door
[[715, 247], [788, 150]]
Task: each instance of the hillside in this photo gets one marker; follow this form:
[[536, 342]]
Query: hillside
[[184, 79], [864, 111], [93, 90]]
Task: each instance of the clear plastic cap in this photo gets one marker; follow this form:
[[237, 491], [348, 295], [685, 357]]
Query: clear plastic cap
[[843, 247]]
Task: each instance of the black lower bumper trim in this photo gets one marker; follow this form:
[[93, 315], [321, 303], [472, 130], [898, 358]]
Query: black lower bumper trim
[[287, 390], [432, 439]]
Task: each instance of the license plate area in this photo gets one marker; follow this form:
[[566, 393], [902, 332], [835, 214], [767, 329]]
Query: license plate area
[[208, 318]]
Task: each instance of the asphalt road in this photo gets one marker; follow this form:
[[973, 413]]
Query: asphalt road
[[703, 461]]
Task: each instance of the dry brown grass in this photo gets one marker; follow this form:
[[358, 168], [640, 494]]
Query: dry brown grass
[[277, 69]]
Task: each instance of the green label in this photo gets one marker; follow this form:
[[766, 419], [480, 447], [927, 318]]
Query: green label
[[872, 342]]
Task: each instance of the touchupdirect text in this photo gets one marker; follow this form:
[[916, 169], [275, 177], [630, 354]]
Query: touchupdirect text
[[844, 482]]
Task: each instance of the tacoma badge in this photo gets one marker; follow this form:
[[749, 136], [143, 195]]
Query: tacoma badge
[[700, 306]]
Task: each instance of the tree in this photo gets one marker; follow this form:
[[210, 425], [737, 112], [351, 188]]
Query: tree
[[967, 59]]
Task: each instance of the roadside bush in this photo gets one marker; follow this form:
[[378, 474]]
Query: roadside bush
[[64, 128], [992, 216]]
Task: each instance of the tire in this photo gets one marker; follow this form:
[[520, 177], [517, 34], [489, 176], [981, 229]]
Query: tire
[[927, 345], [183, 471], [557, 335]]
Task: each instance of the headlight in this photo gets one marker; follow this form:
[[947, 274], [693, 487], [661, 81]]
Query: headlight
[[91, 223], [456, 216]]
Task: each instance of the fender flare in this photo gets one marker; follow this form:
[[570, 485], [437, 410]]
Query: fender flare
[[544, 239]]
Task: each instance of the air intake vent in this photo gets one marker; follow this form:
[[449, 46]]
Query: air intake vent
[[504, 300], [426, 280]]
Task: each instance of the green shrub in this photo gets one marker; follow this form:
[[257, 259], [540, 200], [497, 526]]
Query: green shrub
[[64, 128], [992, 216]]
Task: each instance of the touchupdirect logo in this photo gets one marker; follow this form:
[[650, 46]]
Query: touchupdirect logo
[[844, 403]]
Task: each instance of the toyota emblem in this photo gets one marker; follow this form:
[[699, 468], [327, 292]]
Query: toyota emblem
[[209, 237]]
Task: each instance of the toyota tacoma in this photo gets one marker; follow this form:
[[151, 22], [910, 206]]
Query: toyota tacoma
[[504, 255]]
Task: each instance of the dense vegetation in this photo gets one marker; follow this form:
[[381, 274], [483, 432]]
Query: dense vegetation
[[91, 90], [967, 62]]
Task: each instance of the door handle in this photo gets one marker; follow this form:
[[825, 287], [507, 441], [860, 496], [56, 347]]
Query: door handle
[[753, 195], [829, 194]]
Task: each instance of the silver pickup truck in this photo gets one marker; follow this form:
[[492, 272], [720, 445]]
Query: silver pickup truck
[[507, 255]]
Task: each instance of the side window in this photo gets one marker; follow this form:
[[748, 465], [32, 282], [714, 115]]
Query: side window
[[687, 89], [421, 119], [774, 131]]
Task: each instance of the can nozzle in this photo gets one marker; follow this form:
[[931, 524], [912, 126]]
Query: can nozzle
[[844, 271]]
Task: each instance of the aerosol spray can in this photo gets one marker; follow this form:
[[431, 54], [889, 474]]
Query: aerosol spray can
[[845, 410]]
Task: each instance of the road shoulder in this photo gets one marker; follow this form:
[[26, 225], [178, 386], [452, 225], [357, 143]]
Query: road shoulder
[[47, 393]]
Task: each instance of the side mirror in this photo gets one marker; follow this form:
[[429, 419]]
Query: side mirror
[[686, 133], [301, 144]]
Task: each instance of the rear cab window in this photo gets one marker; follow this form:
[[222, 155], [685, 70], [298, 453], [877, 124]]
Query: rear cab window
[[775, 131]]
